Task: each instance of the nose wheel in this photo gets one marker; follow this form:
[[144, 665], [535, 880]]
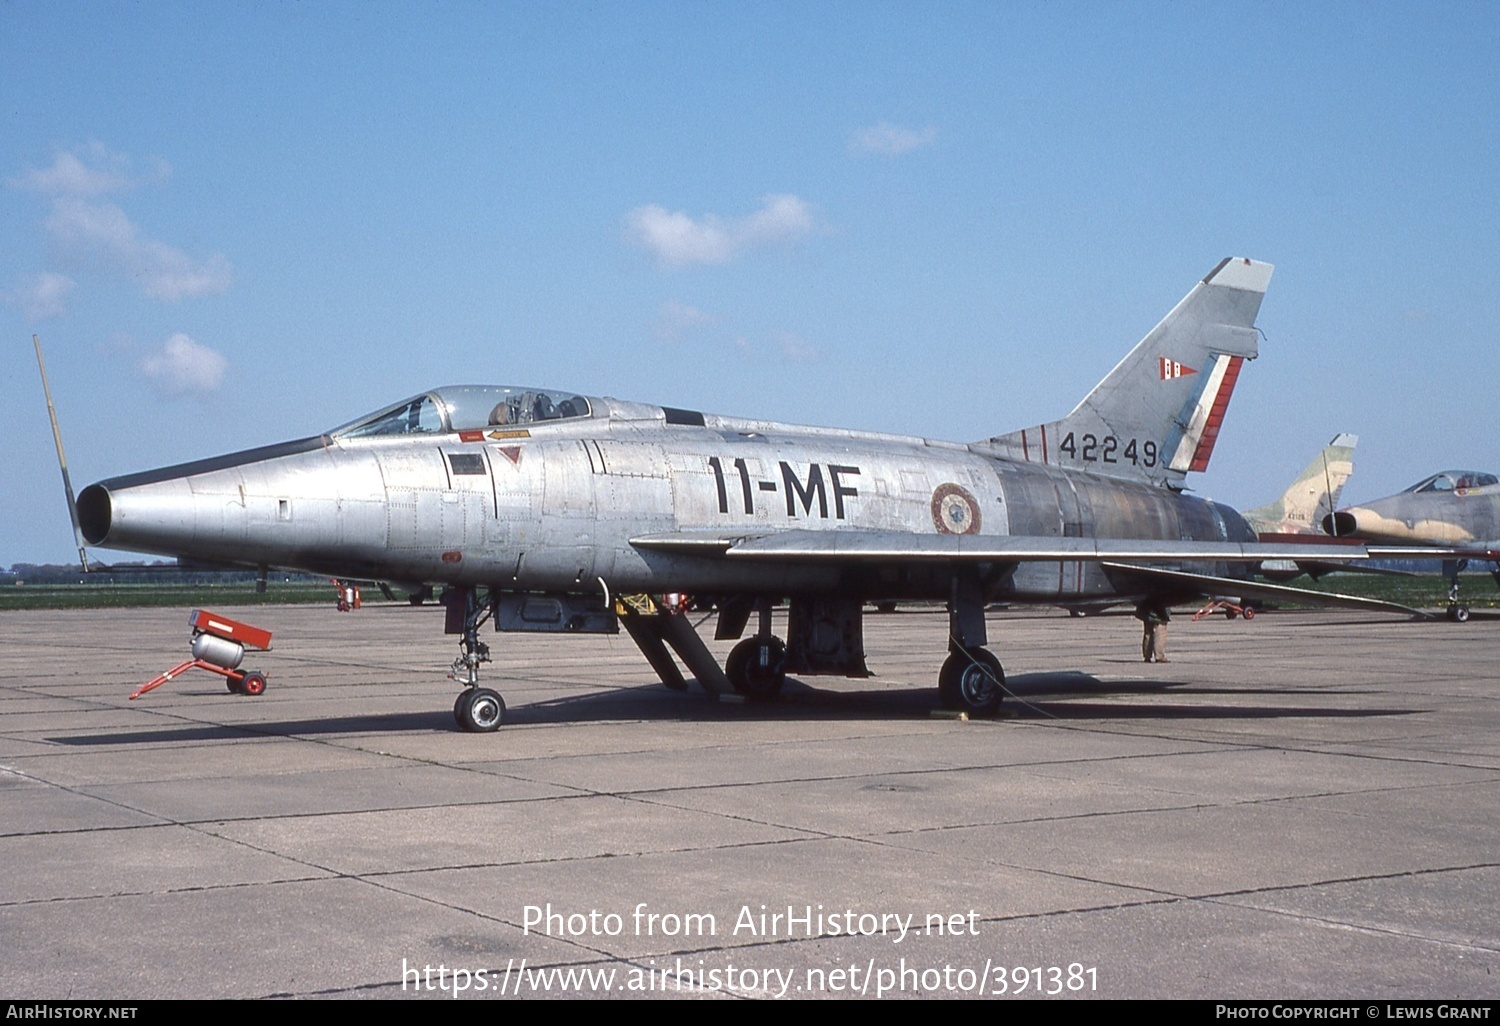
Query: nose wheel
[[479, 710], [1458, 612]]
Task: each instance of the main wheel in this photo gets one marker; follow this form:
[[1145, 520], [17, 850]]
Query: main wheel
[[972, 681], [1458, 613], [756, 668], [479, 710], [253, 684]]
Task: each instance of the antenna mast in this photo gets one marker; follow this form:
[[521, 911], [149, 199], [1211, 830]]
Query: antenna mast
[[62, 461]]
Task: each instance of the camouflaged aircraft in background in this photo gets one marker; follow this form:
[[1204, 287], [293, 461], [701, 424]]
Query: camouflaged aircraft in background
[[1310, 498], [1456, 511], [551, 511], [1298, 514]]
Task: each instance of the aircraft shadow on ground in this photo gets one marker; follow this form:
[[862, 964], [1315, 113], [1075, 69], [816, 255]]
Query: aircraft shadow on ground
[[1033, 696]]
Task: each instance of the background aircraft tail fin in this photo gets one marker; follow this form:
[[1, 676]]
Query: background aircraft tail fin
[[1156, 416], [1314, 494]]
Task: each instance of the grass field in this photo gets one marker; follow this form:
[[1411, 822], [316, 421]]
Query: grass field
[[1425, 591], [92, 596]]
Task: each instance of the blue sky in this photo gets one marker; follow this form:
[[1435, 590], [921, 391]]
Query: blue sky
[[237, 223]]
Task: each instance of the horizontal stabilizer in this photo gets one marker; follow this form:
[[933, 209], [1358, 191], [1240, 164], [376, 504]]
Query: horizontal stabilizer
[[1207, 584]]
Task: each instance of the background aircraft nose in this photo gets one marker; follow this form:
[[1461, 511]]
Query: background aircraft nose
[[94, 513]]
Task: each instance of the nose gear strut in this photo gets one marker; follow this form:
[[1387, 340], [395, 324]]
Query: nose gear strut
[[477, 709]]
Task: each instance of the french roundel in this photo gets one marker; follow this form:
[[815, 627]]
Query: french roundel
[[954, 510]]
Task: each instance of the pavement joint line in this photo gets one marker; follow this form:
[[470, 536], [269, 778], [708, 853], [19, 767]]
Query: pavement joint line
[[1309, 748], [194, 889], [1369, 931]]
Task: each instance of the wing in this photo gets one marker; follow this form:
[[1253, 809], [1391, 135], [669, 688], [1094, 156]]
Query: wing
[[896, 546]]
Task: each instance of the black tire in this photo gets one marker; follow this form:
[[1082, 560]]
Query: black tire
[[972, 681], [253, 684], [233, 681], [480, 710], [756, 668], [1249, 613], [1458, 613]]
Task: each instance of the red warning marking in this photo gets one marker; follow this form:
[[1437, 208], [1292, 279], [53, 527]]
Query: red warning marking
[[471, 436], [224, 627], [1216, 415], [510, 452], [1170, 369]]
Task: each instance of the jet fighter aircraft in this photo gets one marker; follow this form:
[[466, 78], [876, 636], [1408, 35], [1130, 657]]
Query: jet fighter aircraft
[[543, 510], [1311, 497], [1301, 508], [1456, 510]]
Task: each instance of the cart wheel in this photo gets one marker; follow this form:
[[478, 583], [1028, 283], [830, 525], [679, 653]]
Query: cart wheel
[[253, 684]]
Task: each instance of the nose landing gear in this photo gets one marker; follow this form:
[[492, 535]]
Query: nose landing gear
[[478, 710]]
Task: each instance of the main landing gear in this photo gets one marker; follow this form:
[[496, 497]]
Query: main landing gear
[[756, 667], [972, 680], [479, 710]]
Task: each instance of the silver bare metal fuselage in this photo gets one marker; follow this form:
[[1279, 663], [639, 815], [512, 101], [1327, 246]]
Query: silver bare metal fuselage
[[554, 508]]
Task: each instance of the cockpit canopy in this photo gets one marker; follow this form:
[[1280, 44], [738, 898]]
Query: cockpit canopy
[[467, 408], [1453, 480]]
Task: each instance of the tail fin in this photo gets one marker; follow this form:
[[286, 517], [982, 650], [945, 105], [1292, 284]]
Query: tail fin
[[1314, 494], [1157, 415]]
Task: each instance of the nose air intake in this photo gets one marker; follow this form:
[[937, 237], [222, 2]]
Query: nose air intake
[[94, 513], [1340, 524]]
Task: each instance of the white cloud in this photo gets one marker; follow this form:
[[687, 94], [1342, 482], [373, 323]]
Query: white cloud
[[675, 321], [785, 346], [182, 366], [795, 349], [87, 230], [887, 140], [42, 296], [678, 240], [101, 231], [98, 170]]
